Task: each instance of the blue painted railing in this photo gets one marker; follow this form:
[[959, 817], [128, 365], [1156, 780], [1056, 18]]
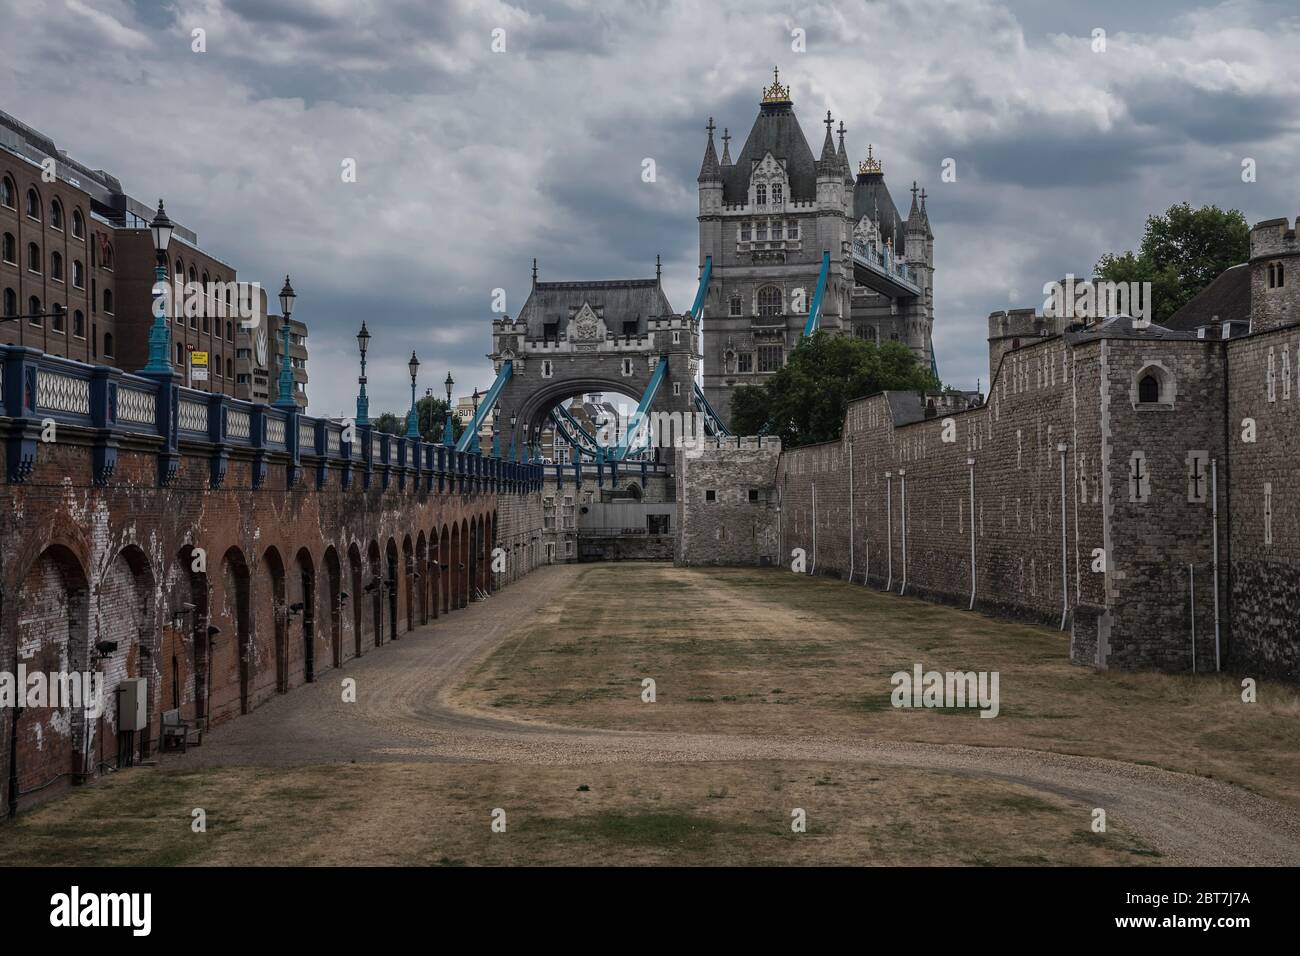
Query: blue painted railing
[[110, 409]]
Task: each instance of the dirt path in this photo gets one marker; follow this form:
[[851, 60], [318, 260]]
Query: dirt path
[[401, 714]]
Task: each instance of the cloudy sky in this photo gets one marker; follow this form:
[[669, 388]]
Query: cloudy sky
[[470, 162]]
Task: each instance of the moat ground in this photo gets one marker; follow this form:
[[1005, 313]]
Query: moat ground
[[772, 694]]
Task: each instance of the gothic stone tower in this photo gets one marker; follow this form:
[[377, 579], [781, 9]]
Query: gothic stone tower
[[766, 220]]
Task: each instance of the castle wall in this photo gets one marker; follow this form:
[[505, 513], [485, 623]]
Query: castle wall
[[738, 523], [1264, 496]]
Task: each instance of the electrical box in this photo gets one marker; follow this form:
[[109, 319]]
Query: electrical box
[[133, 704]]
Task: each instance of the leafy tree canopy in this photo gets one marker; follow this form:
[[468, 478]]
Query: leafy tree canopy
[[1181, 253], [432, 415], [804, 403]]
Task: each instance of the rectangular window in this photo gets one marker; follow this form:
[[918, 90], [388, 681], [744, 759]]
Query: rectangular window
[[776, 229], [770, 357], [745, 232], [745, 362], [776, 194], [761, 231], [753, 494], [792, 229], [710, 495], [760, 194]]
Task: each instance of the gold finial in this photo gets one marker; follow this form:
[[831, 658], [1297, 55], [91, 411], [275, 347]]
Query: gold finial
[[776, 93], [870, 164]]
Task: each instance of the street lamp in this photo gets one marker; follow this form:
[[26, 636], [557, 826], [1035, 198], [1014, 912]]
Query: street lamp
[[447, 430], [160, 362], [514, 420], [413, 419], [496, 432], [363, 403], [286, 399]]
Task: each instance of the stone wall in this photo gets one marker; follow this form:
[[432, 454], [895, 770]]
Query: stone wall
[[727, 508]]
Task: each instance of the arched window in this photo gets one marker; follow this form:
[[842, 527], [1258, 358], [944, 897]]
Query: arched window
[[1272, 275], [79, 324], [56, 214], [10, 249], [7, 192], [1149, 389], [769, 300], [33, 257], [1153, 386], [78, 224], [78, 274], [33, 205], [736, 305], [776, 195], [108, 343], [179, 271], [1280, 279], [230, 332], [11, 303], [34, 310], [760, 194], [194, 276], [108, 301], [56, 266]]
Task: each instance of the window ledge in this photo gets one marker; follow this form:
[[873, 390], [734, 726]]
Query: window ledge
[[1154, 407]]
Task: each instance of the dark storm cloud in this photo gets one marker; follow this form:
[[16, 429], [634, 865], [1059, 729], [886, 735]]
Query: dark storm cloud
[[472, 162]]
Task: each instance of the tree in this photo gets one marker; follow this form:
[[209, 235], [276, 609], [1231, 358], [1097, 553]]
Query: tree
[[1181, 253], [805, 402], [430, 415]]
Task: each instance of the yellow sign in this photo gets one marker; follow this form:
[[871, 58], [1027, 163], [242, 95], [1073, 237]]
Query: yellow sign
[[199, 358]]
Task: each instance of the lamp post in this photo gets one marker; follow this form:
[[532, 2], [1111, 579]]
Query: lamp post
[[286, 399], [514, 420], [448, 436], [428, 405], [363, 403], [413, 419], [159, 335], [496, 432]]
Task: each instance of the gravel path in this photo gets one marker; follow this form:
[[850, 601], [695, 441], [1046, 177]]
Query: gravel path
[[401, 714]]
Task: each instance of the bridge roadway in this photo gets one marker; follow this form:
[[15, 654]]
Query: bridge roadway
[[402, 714]]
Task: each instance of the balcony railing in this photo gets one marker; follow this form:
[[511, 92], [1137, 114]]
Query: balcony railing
[[116, 410]]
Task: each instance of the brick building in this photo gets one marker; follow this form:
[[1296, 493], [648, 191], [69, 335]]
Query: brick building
[[74, 240], [1134, 484]]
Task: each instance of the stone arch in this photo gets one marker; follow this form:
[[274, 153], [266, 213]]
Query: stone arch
[[473, 563], [123, 638], [333, 618], [1153, 385], [237, 614], [374, 587], [464, 563], [270, 628], [302, 591], [535, 409], [357, 595], [52, 633]]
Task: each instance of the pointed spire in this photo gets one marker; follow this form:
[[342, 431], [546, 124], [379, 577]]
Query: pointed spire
[[534, 272], [726, 147], [659, 269], [710, 171], [843, 156], [828, 146]]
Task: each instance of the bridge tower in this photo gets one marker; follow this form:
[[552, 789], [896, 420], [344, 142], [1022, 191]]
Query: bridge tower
[[769, 218], [605, 336]]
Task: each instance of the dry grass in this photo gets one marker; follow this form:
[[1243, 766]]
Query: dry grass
[[431, 814], [749, 651]]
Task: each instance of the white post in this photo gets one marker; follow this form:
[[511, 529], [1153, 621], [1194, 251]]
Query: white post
[[1214, 492], [851, 555], [1191, 586], [812, 568], [902, 507], [1065, 583], [971, 463], [889, 529]]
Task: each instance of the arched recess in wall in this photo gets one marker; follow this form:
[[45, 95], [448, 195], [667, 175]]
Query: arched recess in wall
[[188, 645], [421, 579], [272, 615], [333, 618], [454, 559], [123, 644], [52, 634], [444, 568], [1153, 386], [374, 588], [304, 586], [236, 581], [392, 585], [356, 597], [409, 578]]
